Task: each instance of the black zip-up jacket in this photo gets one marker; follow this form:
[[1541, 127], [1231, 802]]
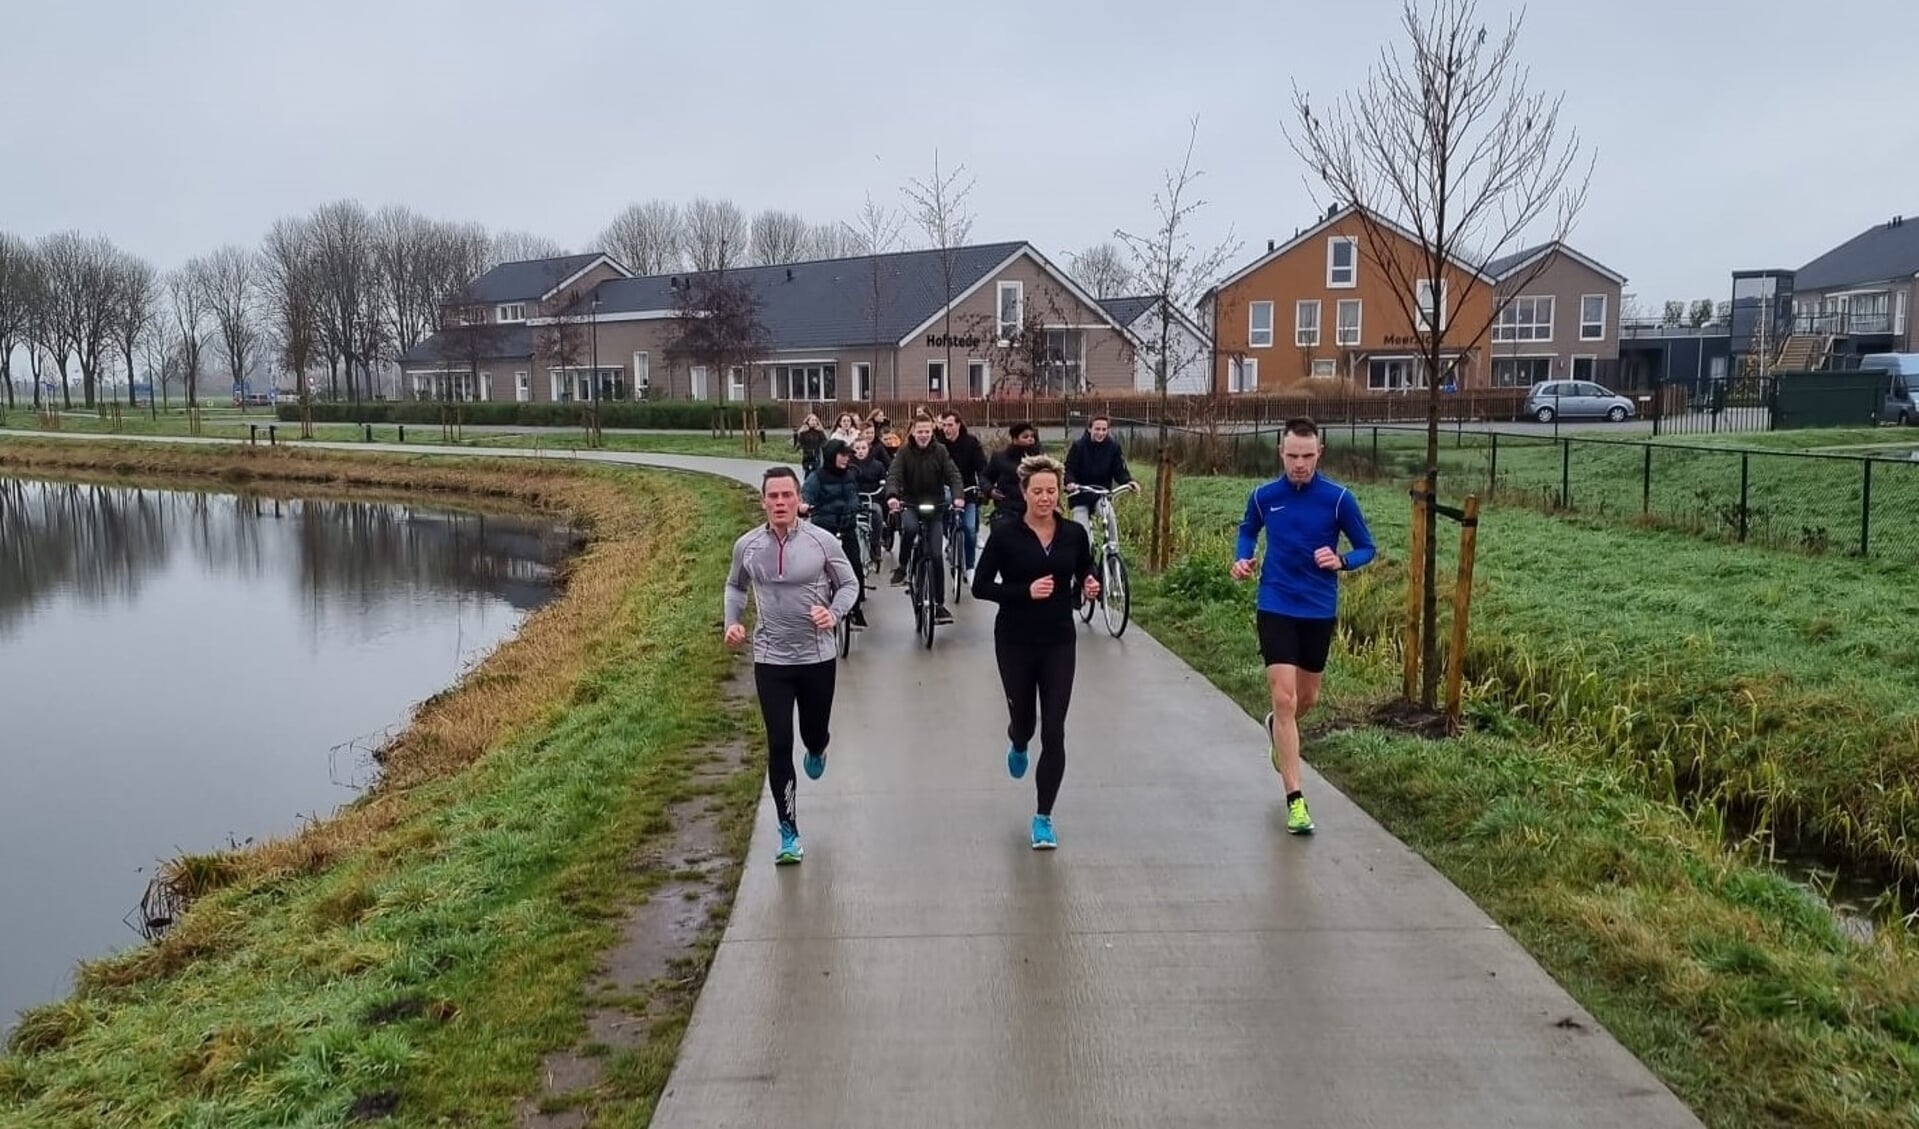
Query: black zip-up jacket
[[921, 474], [1012, 559], [1002, 478], [1095, 464], [870, 473], [968, 455]]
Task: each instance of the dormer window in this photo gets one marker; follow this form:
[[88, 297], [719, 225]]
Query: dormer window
[[515, 311]]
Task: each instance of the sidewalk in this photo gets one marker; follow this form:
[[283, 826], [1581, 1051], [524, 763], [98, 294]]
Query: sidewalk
[[1180, 960]]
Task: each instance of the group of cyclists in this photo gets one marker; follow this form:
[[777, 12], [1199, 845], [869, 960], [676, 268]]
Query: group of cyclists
[[806, 569]]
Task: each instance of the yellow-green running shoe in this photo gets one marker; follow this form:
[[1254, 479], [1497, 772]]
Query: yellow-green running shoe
[[1299, 821]]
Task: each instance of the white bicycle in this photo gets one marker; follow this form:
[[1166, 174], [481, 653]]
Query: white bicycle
[[1115, 597]]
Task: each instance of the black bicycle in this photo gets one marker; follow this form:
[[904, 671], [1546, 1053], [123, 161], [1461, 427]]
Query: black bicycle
[[922, 576], [956, 543], [872, 528]]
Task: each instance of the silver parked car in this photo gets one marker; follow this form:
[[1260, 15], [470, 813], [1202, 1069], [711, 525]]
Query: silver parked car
[[1576, 399]]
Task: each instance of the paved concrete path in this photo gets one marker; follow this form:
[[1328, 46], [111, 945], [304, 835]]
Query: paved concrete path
[[1180, 960]]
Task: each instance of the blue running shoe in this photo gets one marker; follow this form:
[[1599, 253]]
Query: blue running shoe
[[790, 849], [1043, 839], [1016, 761], [815, 765]]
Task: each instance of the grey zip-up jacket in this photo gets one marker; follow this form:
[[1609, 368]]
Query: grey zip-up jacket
[[789, 578]]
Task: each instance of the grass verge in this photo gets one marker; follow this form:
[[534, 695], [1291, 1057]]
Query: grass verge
[[414, 956], [1562, 812]]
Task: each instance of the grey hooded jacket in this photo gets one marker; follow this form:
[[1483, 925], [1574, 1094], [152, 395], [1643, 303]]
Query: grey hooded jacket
[[789, 578]]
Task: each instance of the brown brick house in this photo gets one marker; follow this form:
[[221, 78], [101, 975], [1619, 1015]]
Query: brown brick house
[[1322, 308], [840, 330], [1560, 320]]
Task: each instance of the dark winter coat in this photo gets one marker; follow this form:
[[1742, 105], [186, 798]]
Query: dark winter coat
[[1095, 464], [921, 474]]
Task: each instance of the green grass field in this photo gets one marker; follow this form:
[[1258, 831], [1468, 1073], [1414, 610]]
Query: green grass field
[[1647, 709]]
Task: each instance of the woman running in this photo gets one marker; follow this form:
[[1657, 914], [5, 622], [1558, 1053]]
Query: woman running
[[1033, 568]]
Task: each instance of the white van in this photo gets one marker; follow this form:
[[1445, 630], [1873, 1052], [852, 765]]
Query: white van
[[1901, 402]]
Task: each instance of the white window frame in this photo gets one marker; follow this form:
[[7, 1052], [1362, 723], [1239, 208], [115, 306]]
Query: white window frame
[[735, 384], [696, 383], [1529, 359], [1253, 334], [486, 386], [1510, 328], [642, 374], [944, 382], [1415, 369], [1007, 331], [1340, 334], [1422, 306], [558, 384], [511, 312], [978, 390], [522, 387], [1325, 368], [1242, 374], [1351, 269], [1304, 334], [1604, 307], [862, 381]]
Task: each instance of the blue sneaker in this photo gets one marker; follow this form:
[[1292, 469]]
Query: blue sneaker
[[815, 765], [1043, 839], [1016, 761], [790, 849]]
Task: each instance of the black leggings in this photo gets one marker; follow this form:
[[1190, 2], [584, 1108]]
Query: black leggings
[[781, 688], [1042, 674]]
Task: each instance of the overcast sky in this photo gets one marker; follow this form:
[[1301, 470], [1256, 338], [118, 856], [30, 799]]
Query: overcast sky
[[175, 127]]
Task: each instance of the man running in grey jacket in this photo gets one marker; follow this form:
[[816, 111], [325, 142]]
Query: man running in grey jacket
[[802, 584]]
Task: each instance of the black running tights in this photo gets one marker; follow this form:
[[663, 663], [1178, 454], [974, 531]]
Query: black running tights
[[1042, 676], [808, 686]]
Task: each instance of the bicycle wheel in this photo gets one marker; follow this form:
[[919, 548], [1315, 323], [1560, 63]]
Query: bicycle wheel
[[956, 561], [1115, 595], [844, 631], [927, 608], [1086, 605]]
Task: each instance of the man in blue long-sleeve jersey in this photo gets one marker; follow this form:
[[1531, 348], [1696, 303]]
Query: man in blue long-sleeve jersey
[[1303, 514]]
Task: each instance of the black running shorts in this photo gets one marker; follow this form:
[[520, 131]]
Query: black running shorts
[[1303, 643]]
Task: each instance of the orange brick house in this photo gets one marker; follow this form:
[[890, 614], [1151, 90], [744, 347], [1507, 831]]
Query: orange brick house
[[1320, 311]]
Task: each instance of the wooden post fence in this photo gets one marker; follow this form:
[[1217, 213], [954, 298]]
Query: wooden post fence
[[1462, 607], [1415, 591], [1468, 519]]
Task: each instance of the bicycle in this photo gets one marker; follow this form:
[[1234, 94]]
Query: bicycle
[[1115, 597], [871, 523], [921, 576], [956, 544]]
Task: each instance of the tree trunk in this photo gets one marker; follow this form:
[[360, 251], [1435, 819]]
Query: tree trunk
[[1429, 565]]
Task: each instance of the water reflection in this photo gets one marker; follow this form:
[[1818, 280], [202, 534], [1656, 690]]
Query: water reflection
[[102, 543], [178, 668]]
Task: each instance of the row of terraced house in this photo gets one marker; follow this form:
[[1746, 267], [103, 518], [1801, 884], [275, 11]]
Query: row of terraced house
[[1319, 311]]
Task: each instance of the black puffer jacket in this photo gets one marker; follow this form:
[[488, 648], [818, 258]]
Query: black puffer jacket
[[1095, 464], [833, 494], [967, 454], [1002, 478]]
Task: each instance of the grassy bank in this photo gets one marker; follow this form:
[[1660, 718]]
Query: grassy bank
[[1681, 667], [418, 953]]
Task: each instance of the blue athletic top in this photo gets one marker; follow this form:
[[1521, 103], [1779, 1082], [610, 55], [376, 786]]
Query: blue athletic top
[[1299, 521]]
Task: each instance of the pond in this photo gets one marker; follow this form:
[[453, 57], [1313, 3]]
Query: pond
[[184, 670]]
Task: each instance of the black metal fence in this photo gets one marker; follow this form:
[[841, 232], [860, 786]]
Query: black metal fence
[[1816, 502]]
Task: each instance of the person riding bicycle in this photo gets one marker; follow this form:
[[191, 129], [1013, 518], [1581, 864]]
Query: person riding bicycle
[[970, 457], [1094, 460], [923, 473], [832, 496], [869, 469], [1002, 471]]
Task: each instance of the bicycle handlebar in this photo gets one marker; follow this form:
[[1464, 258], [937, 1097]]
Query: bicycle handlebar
[[1101, 490]]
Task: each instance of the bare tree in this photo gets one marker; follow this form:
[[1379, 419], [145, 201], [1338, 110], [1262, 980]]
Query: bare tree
[[231, 295], [563, 342], [160, 348], [1675, 313], [80, 276], [779, 237], [189, 320], [1167, 265], [520, 246], [16, 266], [135, 300], [347, 278], [646, 238], [717, 324], [1703, 311], [831, 241], [1450, 148], [1037, 358], [290, 274], [939, 208], [876, 235], [1103, 270], [716, 235], [45, 331]]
